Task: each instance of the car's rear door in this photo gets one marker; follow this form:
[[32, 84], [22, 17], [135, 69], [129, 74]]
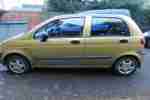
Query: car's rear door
[[107, 38]]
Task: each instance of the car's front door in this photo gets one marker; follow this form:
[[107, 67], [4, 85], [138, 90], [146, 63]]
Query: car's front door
[[108, 38], [65, 43]]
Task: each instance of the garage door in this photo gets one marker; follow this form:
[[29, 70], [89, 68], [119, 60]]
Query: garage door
[[11, 28]]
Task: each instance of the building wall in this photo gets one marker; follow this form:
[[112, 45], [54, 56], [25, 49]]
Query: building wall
[[32, 18]]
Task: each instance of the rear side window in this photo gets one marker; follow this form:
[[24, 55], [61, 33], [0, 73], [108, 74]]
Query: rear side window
[[109, 27]]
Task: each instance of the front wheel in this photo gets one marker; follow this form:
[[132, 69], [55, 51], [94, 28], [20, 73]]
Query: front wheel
[[17, 64], [126, 66]]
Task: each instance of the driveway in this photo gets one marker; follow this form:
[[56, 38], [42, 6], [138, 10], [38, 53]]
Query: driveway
[[76, 84]]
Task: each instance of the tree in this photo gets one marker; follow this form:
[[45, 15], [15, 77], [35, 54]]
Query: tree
[[68, 6], [140, 14]]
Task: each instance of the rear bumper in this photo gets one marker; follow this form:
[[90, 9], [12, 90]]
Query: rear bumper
[[141, 52], [140, 56]]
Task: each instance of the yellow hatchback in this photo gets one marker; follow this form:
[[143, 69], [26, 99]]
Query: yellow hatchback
[[100, 41]]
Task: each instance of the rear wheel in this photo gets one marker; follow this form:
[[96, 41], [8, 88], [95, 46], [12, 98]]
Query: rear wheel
[[126, 65], [17, 64]]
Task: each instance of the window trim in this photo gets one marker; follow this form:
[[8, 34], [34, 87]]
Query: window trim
[[124, 22], [81, 33]]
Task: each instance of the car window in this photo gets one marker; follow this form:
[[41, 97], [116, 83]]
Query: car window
[[70, 27], [43, 29], [108, 27]]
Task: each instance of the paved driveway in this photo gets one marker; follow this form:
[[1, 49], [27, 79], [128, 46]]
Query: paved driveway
[[73, 84]]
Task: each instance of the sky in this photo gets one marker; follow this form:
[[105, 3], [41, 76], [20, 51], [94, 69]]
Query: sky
[[13, 3]]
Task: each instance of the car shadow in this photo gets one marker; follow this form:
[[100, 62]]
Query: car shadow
[[73, 71], [62, 72]]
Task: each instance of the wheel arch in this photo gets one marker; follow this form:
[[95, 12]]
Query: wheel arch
[[6, 55]]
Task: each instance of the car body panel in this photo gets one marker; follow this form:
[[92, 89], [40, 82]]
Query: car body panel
[[91, 50]]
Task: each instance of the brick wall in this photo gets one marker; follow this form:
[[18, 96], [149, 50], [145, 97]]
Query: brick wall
[[33, 18]]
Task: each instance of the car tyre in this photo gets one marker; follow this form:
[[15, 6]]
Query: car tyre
[[17, 64], [125, 66]]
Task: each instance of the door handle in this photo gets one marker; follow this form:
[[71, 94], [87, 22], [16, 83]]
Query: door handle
[[75, 42], [124, 41]]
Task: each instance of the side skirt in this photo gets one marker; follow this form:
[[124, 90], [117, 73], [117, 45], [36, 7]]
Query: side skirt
[[104, 60]]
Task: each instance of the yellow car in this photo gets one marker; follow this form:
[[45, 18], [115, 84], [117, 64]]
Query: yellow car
[[100, 41]]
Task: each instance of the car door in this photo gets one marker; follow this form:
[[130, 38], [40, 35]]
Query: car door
[[65, 43], [108, 38]]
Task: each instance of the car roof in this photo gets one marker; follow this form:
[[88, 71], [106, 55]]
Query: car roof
[[125, 12], [93, 15]]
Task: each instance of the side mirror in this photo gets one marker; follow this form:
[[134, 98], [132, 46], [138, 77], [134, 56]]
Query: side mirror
[[43, 37]]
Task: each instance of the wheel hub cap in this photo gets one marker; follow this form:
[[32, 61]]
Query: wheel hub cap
[[17, 65], [127, 66]]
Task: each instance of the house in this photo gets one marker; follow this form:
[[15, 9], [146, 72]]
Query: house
[[31, 14], [19, 19]]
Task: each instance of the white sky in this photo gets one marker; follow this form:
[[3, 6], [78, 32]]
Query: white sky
[[12, 3]]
